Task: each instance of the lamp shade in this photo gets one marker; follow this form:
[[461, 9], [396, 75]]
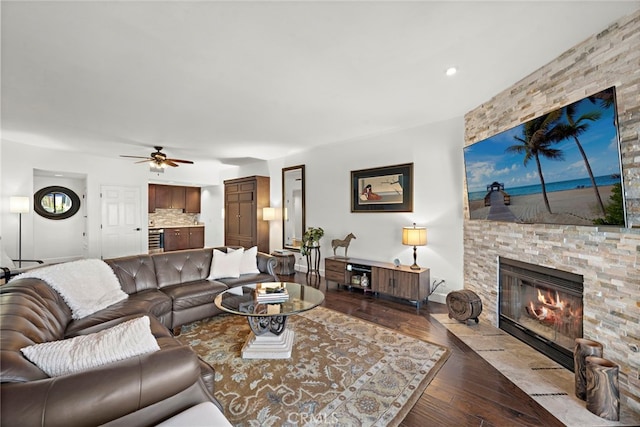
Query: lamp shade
[[19, 204], [414, 236], [268, 214]]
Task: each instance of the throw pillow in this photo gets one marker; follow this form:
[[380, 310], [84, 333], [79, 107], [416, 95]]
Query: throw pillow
[[249, 263], [84, 352], [225, 265]]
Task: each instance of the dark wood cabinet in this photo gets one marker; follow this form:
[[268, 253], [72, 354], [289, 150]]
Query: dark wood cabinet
[[174, 197], [177, 197], [152, 198], [196, 237], [176, 239], [385, 278], [244, 199], [163, 196], [179, 238], [192, 199]]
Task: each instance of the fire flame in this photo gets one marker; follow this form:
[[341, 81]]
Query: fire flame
[[548, 301], [552, 309]]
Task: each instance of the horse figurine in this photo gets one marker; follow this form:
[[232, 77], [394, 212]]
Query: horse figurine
[[337, 243]]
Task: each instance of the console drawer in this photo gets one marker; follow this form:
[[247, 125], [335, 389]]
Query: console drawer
[[334, 271]]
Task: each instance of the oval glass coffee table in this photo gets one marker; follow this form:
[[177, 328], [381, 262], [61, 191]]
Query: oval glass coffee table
[[267, 307]]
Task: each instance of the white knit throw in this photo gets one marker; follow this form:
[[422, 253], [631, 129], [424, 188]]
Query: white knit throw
[[86, 285]]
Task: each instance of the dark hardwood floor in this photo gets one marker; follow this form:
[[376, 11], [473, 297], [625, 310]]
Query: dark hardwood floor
[[467, 391]]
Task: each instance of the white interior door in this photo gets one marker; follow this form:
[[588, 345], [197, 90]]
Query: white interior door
[[120, 221]]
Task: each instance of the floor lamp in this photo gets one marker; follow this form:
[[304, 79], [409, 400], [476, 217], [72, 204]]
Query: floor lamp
[[19, 205]]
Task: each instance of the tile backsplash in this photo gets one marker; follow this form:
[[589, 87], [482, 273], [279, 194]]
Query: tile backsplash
[[171, 217]]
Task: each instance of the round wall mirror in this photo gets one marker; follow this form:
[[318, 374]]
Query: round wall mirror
[[56, 202]]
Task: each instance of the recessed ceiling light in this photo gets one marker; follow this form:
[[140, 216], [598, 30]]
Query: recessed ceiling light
[[451, 71]]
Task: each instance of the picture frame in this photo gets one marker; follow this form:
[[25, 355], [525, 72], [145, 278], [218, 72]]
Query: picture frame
[[382, 189]]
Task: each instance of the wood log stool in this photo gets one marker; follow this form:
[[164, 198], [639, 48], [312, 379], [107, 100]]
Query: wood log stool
[[603, 392], [583, 349], [464, 305]]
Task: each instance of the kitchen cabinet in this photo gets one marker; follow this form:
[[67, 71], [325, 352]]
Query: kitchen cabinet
[[179, 238], [384, 278], [152, 198], [178, 200], [174, 197], [163, 196], [192, 199], [196, 237], [244, 199]]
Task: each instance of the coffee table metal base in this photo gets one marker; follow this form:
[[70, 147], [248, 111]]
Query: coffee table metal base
[[269, 346]]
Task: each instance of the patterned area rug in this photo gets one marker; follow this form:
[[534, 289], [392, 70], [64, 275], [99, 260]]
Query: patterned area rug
[[343, 371]]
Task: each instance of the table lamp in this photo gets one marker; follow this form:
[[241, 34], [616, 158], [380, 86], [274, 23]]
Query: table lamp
[[414, 236], [268, 214]]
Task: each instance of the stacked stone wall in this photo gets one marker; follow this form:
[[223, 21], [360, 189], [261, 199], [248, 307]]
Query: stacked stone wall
[[607, 257]]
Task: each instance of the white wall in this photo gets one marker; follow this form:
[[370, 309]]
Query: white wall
[[212, 205], [435, 150], [59, 240], [17, 171]]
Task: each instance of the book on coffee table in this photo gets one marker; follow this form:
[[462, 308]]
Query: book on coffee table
[[266, 292]]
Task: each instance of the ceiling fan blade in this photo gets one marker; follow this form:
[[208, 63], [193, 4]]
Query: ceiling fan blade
[[181, 161], [135, 157], [159, 158]]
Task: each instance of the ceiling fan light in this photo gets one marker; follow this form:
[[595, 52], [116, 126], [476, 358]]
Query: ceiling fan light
[[159, 160]]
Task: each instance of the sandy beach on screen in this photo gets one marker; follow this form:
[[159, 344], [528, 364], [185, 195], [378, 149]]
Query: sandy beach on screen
[[577, 206]]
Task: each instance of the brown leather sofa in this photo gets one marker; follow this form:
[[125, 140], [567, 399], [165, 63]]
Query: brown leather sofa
[[174, 285], [140, 391]]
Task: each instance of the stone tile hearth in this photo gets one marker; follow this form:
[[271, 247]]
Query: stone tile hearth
[[547, 382]]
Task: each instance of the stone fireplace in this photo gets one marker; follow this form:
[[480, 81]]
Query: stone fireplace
[[608, 258], [541, 306]]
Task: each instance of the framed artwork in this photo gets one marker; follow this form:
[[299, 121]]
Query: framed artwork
[[384, 189]]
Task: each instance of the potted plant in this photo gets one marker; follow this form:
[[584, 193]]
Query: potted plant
[[311, 238]]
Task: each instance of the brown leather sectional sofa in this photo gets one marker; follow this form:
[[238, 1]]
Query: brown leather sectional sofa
[[171, 287]]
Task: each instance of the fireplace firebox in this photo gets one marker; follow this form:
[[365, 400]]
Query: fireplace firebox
[[542, 307]]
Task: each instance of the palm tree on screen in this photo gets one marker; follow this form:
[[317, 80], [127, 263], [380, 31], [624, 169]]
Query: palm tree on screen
[[575, 128], [538, 137]]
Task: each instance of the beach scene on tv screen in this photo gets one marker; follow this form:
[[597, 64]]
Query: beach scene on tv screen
[[560, 168]]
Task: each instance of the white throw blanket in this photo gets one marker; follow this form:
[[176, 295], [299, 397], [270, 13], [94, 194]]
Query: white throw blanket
[[87, 285]]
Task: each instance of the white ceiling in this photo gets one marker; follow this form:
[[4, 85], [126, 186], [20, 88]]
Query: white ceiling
[[237, 81]]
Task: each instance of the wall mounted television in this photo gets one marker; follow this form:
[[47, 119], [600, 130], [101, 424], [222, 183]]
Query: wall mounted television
[[559, 168]]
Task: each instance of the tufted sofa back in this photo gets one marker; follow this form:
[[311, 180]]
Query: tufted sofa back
[[136, 273], [182, 266], [30, 313]]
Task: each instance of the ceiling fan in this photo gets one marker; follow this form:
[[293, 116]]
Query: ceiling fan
[[158, 158]]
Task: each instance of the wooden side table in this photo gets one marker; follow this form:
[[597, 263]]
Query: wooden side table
[[286, 263]]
